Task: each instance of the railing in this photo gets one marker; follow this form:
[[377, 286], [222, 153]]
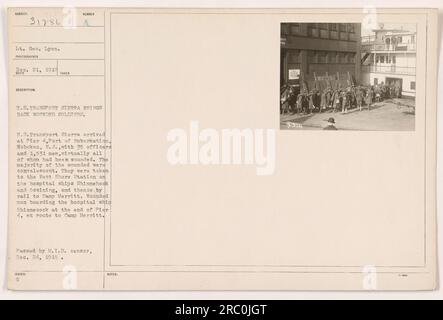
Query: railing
[[388, 47], [367, 39], [389, 69]]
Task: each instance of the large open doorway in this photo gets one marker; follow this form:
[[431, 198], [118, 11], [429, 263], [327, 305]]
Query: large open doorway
[[396, 82]]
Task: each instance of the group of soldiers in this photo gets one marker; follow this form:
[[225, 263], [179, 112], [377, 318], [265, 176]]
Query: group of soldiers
[[330, 100]]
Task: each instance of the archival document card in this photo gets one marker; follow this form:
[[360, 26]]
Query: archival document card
[[222, 149]]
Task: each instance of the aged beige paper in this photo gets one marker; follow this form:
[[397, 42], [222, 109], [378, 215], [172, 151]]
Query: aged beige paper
[[183, 149]]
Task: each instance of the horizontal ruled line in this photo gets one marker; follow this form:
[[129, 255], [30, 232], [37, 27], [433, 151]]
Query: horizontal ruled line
[[60, 75], [62, 42], [65, 27], [71, 59]]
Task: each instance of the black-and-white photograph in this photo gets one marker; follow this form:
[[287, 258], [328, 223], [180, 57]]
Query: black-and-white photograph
[[343, 76]]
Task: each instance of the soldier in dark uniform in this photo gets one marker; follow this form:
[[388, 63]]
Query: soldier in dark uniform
[[352, 97], [323, 102], [397, 90], [382, 91], [292, 100], [391, 91], [359, 97], [284, 99], [299, 103], [317, 100], [305, 103], [344, 101], [336, 100], [328, 98], [311, 101], [377, 93]]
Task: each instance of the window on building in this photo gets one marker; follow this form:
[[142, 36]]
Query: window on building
[[412, 85], [284, 29], [333, 26], [323, 57], [351, 57], [343, 27], [377, 59], [312, 30], [332, 57], [382, 59], [393, 59], [295, 28], [312, 57], [351, 28], [294, 56], [324, 31]]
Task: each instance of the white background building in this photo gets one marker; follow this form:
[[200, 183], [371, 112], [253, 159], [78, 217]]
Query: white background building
[[389, 56]]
